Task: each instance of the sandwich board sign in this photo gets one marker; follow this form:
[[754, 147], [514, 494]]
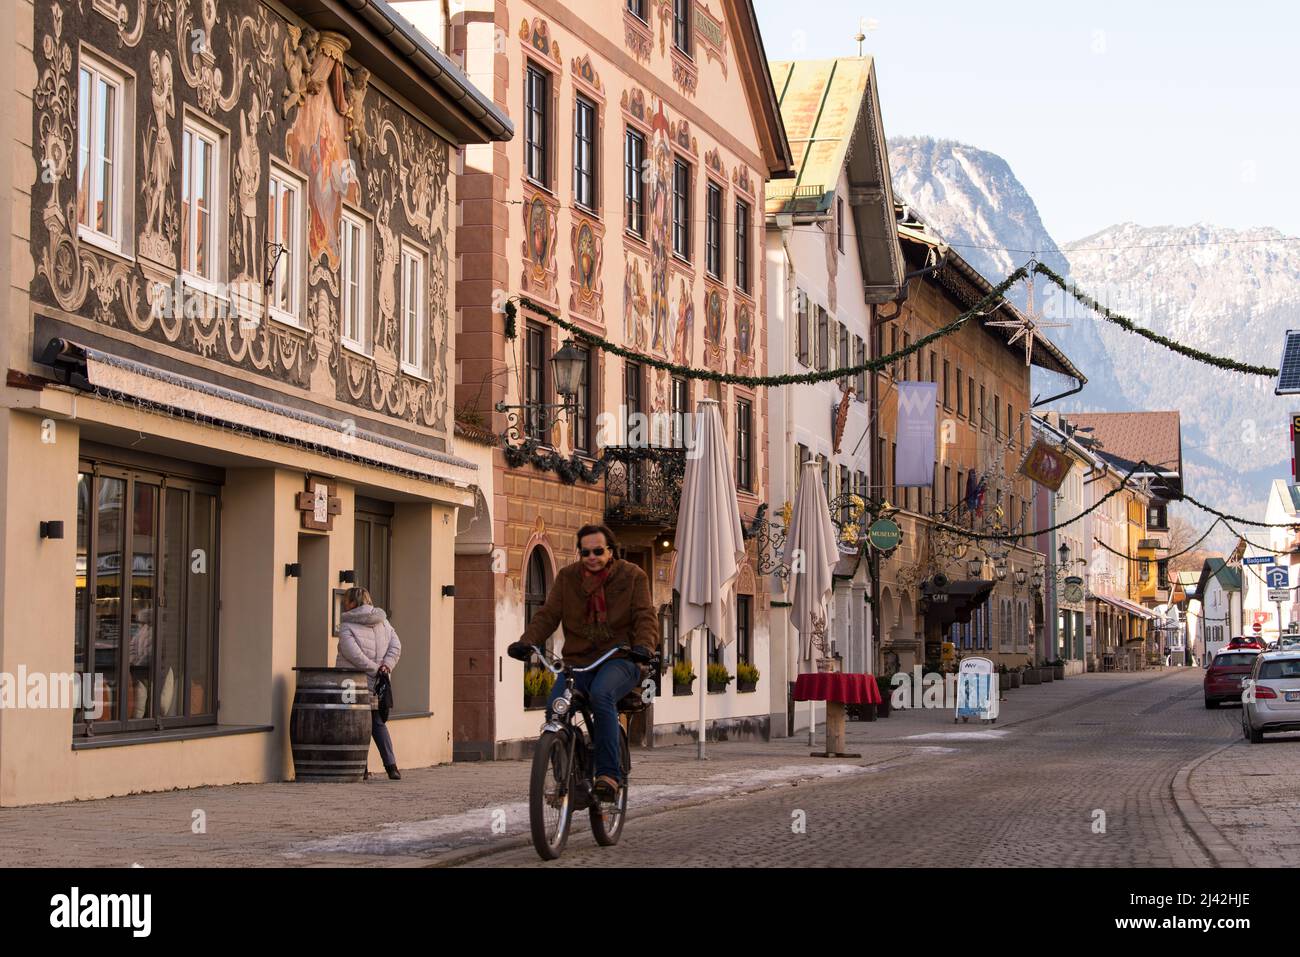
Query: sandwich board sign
[[977, 690]]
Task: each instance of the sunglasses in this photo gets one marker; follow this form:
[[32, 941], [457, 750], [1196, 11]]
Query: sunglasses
[[584, 552]]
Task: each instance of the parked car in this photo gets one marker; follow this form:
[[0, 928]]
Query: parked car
[[1272, 701], [1224, 676], [1245, 641]]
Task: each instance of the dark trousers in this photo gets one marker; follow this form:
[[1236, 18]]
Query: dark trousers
[[379, 731], [603, 688]]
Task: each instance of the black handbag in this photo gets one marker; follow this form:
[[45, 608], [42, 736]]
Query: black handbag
[[383, 695]]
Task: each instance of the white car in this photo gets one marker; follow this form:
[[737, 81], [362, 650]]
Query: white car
[[1271, 696]]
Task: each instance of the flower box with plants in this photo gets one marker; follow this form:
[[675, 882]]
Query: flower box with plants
[[718, 678], [537, 687], [1058, 669], [1014, 674], [683, 678], [885, 685], [746, 677], [1031, 675], [1046, 674]]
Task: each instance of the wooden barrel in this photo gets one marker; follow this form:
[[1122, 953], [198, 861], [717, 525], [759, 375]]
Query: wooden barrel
[[329, 728]]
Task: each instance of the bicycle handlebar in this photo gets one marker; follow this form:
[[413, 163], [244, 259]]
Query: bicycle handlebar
[[547, 658]]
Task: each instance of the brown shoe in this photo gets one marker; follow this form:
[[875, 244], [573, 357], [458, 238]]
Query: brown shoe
[[606, 788]]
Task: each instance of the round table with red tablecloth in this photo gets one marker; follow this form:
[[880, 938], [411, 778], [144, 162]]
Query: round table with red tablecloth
[[837, 689]]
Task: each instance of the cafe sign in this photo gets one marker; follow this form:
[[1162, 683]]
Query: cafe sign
[[712, 33]]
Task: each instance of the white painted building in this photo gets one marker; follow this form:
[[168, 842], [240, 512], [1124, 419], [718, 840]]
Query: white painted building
[[832, 253], [1283, 506]]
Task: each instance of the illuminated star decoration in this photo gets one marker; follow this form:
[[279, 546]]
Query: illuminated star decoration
[[1027, 325]]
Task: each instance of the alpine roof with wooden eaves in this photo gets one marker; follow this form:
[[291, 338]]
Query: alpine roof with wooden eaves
[[394, 51], [831, 110], [968, 287]]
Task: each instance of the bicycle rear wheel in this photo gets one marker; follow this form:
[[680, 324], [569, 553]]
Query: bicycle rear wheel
[[607, 819], [550, 796]]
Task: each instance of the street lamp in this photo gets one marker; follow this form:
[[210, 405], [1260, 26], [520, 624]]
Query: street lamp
[[1064, 552], [1000, 570], [567, 364], [974, 566], [1021, 576]]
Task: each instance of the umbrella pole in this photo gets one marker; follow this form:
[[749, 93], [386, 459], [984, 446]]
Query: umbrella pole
[[701, 658]]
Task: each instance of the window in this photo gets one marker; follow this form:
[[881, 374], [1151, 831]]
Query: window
[[413, 295], [839, 222], [713, 232], [681, 210], [1009, 420], [102, 101], [742, 246], [946, 491], [907, 359], [372, 549], [893, 349], [801, 326], [284, 229], [801, 456], [997, 416], [536, 353], [152, 644], [844, 490], [355, 266], [584, 154], [668, 635], [536, 584], [934, 372], [682, 25], [679, 410], [582, 439], [632, 392], [823, 339], [983, 418], [637, 8], [826, 475], [633, 186], [946, 393], [860, 358], [960, 404], [744, 617], [537, 125], [201, 205], [843, 354], [744, 445]]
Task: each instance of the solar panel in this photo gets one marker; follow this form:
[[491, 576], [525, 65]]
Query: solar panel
[[1288, 377]]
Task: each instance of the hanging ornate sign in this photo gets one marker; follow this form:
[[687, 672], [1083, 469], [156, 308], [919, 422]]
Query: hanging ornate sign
[[1046, 464]]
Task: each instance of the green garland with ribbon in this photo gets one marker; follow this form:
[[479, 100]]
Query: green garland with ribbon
[[985, 305]]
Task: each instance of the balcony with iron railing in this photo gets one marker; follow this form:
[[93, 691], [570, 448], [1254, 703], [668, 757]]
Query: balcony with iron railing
[[643, 486]]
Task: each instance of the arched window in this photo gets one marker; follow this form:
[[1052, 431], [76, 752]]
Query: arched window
[[537, 581]]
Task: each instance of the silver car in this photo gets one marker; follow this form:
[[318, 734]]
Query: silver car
[[1270, 698]]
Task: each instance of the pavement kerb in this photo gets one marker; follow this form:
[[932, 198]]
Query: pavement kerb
[[464, 856], [1211, 839]]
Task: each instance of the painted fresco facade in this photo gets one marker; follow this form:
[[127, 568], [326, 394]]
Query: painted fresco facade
[[230, 358], [702, 121]]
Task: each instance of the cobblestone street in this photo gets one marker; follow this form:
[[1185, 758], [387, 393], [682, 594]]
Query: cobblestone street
[[1177, 786], [1033, 790]]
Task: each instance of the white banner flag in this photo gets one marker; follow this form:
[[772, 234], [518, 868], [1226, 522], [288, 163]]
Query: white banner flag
[[914, 460]]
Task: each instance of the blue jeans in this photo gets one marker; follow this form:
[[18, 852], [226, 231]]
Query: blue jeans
[[604, 687]]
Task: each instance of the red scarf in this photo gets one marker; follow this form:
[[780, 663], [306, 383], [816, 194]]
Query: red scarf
[[593, 584]]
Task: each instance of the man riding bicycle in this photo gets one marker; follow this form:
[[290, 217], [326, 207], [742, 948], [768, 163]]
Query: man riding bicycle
[[602, 602]]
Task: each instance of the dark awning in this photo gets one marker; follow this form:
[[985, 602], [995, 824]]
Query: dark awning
[[955, 602]]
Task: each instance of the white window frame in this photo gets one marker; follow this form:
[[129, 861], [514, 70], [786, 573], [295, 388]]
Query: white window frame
[[193, 126], [123, 202], [294, 262], [361, 295], [412, 254]]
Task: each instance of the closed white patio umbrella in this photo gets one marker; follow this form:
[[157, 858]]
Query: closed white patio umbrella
[[812, 553], [710, 545]]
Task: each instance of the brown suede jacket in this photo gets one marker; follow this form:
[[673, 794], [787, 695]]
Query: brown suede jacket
[[630, 614]]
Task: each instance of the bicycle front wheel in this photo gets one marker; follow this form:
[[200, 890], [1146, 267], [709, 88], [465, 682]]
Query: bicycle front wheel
[[607, 819], [550, 796]]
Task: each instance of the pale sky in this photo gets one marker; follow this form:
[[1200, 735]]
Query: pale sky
[[1157, 113]]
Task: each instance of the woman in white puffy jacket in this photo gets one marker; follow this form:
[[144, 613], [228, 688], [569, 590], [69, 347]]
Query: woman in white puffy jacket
[[368, 643]]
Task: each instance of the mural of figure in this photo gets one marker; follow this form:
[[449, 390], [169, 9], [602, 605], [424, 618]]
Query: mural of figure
[[660, 193], [323, 325], [744, 332], [635, 305], [389, 253], [683, 338], [163, 158], [248, 173]]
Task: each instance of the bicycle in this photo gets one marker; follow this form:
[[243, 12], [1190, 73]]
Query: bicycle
[[563, 773]]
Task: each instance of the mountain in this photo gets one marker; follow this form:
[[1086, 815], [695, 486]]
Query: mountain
[[1230, 292], [973, 200]]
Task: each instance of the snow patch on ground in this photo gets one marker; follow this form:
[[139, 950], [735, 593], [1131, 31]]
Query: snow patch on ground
[[958, 736], [487, 824]]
